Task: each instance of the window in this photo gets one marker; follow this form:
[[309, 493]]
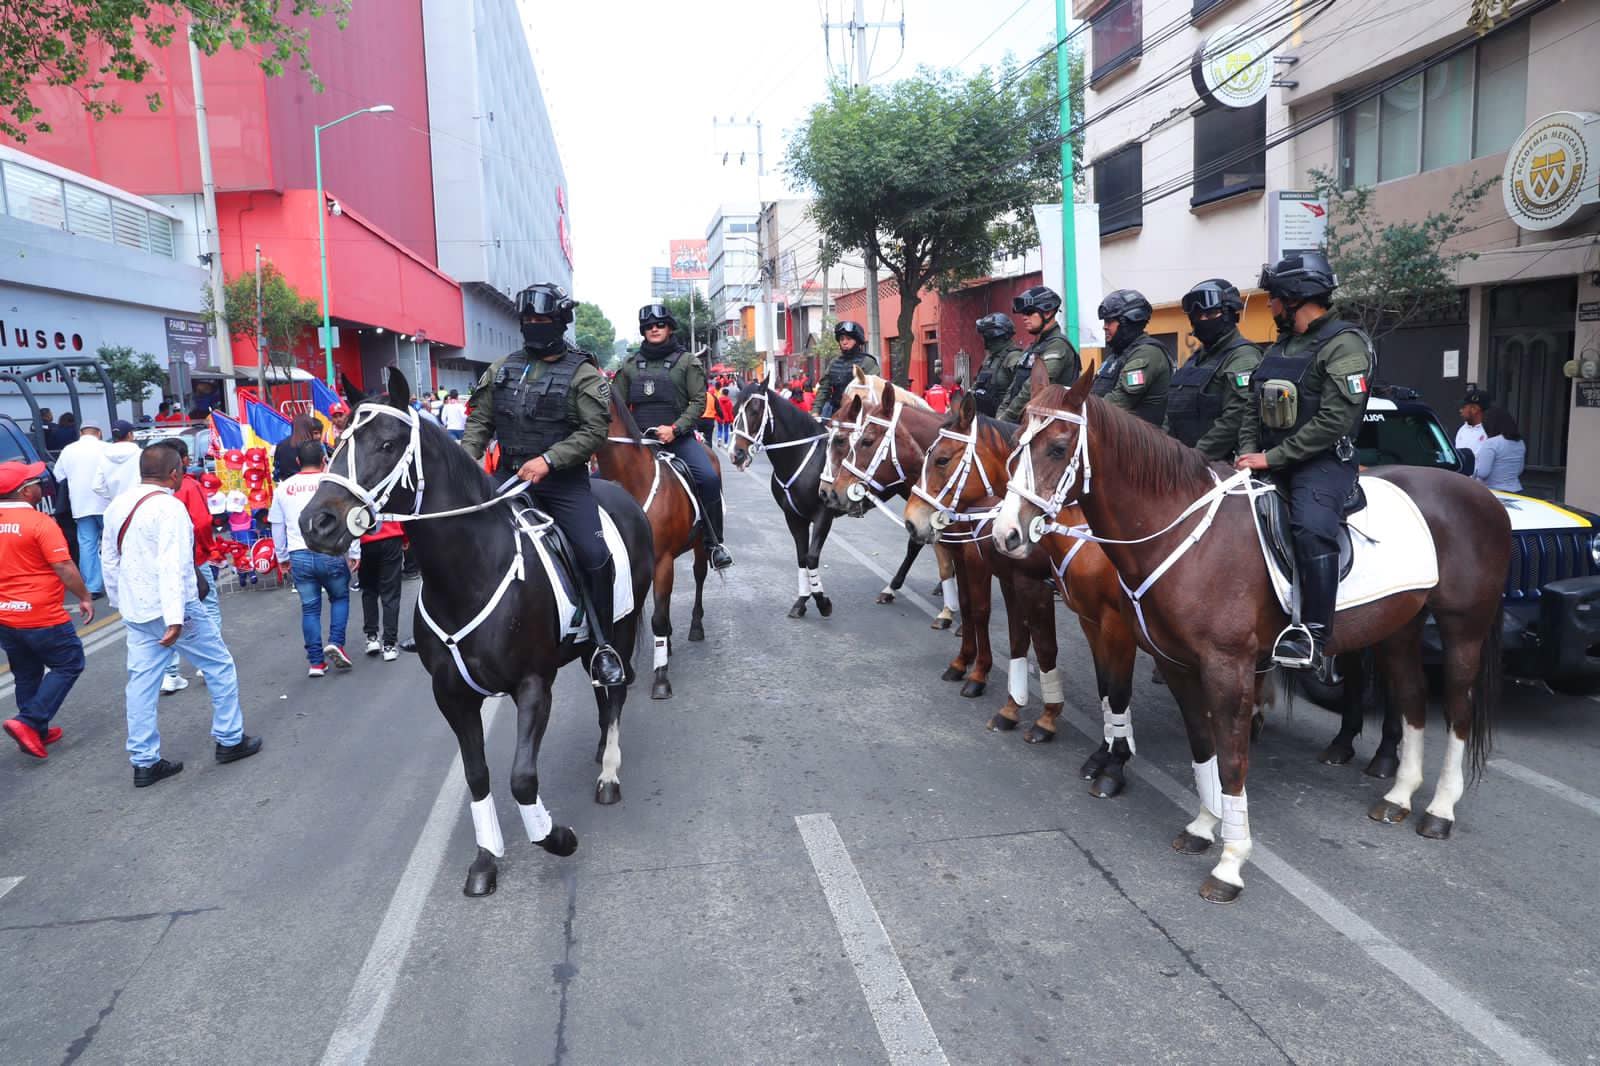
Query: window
[[1471, 105], [1119, 189], [1117, 36], [34, 197], [1230, 151], [88, 213], [1200, 8], [933, 364]]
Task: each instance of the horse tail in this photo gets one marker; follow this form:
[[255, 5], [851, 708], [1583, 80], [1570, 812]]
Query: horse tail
[[1486, 696]]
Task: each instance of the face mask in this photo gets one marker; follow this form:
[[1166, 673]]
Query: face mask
[[1126, 335], [996, 344], [543, 336], [1211, 330]]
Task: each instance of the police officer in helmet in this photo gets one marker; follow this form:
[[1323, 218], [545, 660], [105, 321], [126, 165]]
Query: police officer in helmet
[[665, 388], [1209, 396], [1038, 307], [837, 377], [999, 365], [1137, 369], [549, 405], [1310, 393]]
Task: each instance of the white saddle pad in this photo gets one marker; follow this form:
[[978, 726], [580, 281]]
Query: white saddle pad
[[572, 622], [1391, 549]]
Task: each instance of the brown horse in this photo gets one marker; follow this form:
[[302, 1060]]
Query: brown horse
[[630, 460], [1181, 535], [964, 475]]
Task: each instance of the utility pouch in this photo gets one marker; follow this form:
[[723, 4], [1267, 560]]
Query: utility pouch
[[1280, 404]]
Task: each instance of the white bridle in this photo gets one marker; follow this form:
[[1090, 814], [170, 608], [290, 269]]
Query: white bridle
[[1022, 480], [887, 448], [758, 442], [945, 514]]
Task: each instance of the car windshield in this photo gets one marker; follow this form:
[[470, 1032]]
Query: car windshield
[[13, 445], [1404, 438]]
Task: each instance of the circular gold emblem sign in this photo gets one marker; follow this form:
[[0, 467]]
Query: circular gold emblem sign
[[1232, 67], [1548, 169]]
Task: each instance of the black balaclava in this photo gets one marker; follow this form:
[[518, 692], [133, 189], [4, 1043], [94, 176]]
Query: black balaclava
[[662, 350], [544, 338], [996, 344], [1127, 333], [1212, 330]]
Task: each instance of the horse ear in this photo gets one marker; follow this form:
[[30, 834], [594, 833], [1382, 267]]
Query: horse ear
[[353, 395], [966, 411], [1080, 388], [886, 402], [861, 375], [851, 410], [399, 389], [1039, 378]]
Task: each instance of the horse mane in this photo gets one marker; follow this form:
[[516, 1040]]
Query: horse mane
[[460, 467], [1158, 463], [785, 414], [873, 390], [630, 425]]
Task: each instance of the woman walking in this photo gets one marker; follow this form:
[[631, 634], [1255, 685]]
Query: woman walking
[[1499, 459]]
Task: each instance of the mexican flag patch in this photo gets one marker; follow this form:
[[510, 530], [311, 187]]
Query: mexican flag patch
[[1355, 384], [1133, 377], [1242, 381]]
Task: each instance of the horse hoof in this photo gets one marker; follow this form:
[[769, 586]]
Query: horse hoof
[[1258, 725], [560, 842], [1094, 764], [1382, 766], [798, 610], [1336, 754], [884, 597], [952, 673], [1001, 724], [973, 689], [1390, 813], [942, 623], [1215, 891], [824, 605], [482, 875], [696, 632], [1186, 843], [661, 689], [1107, 786], [608, 792], [1434, 828], [1038, 735]]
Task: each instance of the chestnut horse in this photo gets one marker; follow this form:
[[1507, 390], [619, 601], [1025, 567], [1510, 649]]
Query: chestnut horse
[[1181, 534], [629, 458], [964, 475]]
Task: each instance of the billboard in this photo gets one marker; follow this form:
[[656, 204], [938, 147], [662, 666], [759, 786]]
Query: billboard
[[689, 262]]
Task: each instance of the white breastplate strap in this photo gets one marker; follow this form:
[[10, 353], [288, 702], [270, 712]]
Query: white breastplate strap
[[655, 479], [758, 441], [1066, 563], [945, 501]]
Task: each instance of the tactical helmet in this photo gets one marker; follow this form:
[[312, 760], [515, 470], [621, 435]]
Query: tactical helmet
[[1036, 301], [1211, 294], [995, 326], [1125, 305], [847, 328], [548, 299], [654, 314], [1300, 277]]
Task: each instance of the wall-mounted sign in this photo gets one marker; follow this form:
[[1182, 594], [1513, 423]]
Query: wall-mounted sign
[[1232, 67], [689, 259], [1297, 222], [188, 342], [1550, 170]]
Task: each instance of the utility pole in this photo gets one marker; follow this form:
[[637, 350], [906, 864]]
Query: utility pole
[[823, 330], [1069, 248], [208, 192], [261, 337], [869, 256]]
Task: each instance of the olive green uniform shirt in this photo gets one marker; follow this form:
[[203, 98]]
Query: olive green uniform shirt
[[1143, 378], [1004, 360], [1338, 374], [1060, 362], [688, 376], [866, 361], [588, 404], [1232, 380]]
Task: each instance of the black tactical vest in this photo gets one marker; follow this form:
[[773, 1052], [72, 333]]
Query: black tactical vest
[[1150, 408], [988, 399], [841, 372], [1277, 365], [1190, 408], [530, 417], [652, 397]]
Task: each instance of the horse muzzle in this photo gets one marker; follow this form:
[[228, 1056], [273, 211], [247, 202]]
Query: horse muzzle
[[856, 492], [1036, 529], [359, 521]]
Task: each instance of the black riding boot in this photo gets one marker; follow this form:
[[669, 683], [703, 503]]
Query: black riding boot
[[1318, 578], [605, 665], [711, 523]]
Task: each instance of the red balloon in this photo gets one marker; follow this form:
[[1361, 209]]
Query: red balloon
[[233, 459]]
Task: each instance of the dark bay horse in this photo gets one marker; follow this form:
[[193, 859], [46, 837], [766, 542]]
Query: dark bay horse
[[628, 459], [964, 475], [1185, 542], [485, 619]]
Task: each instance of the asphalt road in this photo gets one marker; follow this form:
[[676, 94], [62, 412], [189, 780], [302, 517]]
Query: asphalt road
[[821, 856]]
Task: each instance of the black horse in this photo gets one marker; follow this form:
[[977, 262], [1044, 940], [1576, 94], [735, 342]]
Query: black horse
[[476, 560]]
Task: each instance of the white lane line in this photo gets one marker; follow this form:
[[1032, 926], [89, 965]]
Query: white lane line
[[902, 1024], [110, 635], [867, 562], [7, 884], [1548, 784], [358, 1026], [1451, 1001]]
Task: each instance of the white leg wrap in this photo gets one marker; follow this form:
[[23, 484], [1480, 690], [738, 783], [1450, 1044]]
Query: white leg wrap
[[1236, 844], [802, 583], [1235, 817], [1120, 727], [1451, 783], [611, 760], [815, 580], [486, 826], [535, 819], [660, 652], [1208, 783], [888, 590], [1050, 686], [1409, 777], [1017, 681], [1204, 825], [952, 598]]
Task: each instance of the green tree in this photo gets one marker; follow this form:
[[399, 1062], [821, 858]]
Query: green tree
[[132, 374], [1394, 272], [595, 331], [285, 314], [51, 42], [936, 175], [740, 354], [702, 322]]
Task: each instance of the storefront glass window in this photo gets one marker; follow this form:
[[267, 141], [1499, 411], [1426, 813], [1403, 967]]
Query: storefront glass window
[[1502, 89], [1447, 135], [1400, 128]]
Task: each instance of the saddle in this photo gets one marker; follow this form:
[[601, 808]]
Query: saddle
[[555, 553], [1272, 521]]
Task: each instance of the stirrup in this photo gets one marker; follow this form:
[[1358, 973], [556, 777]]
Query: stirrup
[[1295, 661], [594, 663], [727, 559]]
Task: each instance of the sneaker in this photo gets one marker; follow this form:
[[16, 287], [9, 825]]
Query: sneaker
[[200, 676], [52, 734], [355, 583], [173, 683], [317, 670], [337, 657], [160, 770], [246, 747], [390, 653], [373, 647], [26, 736]]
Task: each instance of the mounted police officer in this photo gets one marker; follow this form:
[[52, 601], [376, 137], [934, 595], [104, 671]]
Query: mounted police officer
[[665, 388], [1137, 369], [837, 377], [1310, 392], [550, 408], [1038, 307], [999, 365], [1209, 396]]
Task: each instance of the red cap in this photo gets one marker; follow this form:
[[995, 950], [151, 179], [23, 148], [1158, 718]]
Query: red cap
[[338, 407], [15, 474]]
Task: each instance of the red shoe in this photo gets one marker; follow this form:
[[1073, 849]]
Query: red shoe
[[52, 734], [26, 736]]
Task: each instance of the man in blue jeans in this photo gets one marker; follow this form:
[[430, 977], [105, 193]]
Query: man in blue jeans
[[314, 573]]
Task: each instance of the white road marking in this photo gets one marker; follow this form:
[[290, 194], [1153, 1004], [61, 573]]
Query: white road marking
[[866, 561], [358, 1026], [902, 1024], [1548, 784], [97, 640], [7, 884], [1451, 1001]]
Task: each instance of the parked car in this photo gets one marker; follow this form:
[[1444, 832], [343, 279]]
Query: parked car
[[16, 444]]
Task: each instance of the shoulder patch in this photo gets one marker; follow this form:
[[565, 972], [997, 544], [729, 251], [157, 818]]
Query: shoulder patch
[[1241, 381], [1133, 378], [1355, 384]]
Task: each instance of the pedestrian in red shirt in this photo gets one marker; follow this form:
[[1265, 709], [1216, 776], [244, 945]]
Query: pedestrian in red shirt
[[937, 397], [45, 653], [380, 569]]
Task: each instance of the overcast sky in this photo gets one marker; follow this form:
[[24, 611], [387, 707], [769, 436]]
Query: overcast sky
[[633, 88]]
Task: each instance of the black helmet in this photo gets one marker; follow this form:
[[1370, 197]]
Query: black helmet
[[546, 298], [1125, 305], [652, 314], [1300, 277], [1211, 294], [1036, 301], [996, 326], [848, 328]]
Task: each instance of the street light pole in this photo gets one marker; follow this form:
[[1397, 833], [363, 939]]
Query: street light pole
[[322, 228]]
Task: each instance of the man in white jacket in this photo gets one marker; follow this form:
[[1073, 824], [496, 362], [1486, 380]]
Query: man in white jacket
[[77, 465], [118, 470]]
